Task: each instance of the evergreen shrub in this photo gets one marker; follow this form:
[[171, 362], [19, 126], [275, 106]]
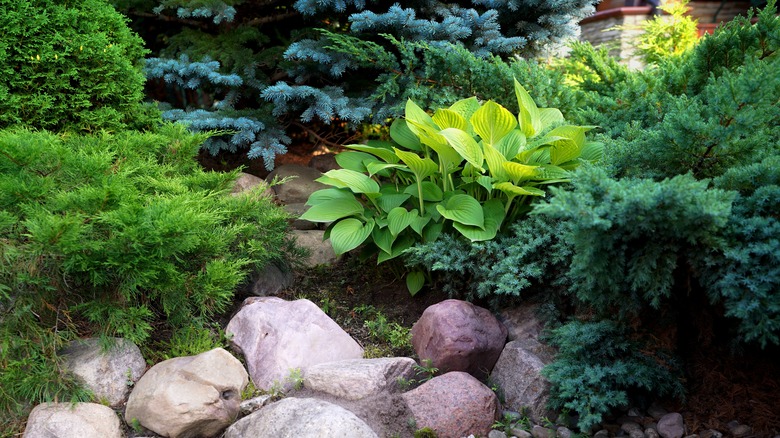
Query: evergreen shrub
[[70, 64], [598, 368], [115, 235], [262, 70]]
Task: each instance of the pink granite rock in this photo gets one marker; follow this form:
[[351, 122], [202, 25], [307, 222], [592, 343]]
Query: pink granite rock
[[454, 405], [456, 335]]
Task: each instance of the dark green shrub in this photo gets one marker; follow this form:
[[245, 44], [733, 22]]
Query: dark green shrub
[[629, 236], [598, 367], [529, 254], [744, 274], [119, 235], [69, 64]]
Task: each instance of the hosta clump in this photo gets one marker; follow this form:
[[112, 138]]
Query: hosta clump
[[470, 167]]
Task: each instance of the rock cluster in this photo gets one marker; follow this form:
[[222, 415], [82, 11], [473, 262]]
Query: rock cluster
[[293, 348]]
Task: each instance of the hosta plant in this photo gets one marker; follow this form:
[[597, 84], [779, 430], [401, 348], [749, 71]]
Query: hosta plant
[[472, 167]]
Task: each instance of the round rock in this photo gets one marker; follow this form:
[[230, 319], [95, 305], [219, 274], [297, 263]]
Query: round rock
[[456, 335], [66, 420]]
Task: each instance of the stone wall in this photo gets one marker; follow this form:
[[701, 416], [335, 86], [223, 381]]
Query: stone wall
[[616, 28]]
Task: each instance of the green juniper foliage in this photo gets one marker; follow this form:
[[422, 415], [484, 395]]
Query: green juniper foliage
[[68, 64], [530, 253], [628, 236], [597, 367], [115, 235]]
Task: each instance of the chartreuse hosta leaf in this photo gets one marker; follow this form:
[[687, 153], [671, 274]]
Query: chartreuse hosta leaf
[[421, 167], [332, 210], [354, 160], [466, 146], [495, 161], [592, 151], [349, 233], [492, 122], [520, 172], [445, 118], [417, 119], [494, 214], [385, 154], [513, 191], [466, 108], [549, 117], [324, 195], [355, 181], [463, 209], [530, 121]]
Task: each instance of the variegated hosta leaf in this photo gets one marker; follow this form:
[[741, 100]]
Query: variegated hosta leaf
[[520, 172], [445, 118], [512, 190], [492, 122], [466, 146], [511, 144]]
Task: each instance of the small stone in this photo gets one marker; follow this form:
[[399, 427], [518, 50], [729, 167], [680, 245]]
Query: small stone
[[692, 436], [564, 432], [603, 433], [650, 432], [711, 433], [741, 430], [671, 426], [496, 434], [519, 433], [634, 412], [656, 411], [253, 404], [636, 433], [628, 426], [542, 432]]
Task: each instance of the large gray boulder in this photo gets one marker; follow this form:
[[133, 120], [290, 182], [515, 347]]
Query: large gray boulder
[[109, 371], [456, 335], [454, 405], [193, 396], [299, 186], [268, 282], [359, 378], [277, 336], [301, 418], [320, 251], [522, 322], [247, 182], [518, 376], [66, 420]]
